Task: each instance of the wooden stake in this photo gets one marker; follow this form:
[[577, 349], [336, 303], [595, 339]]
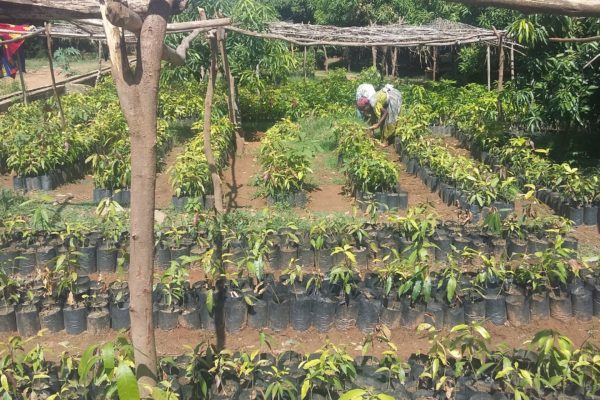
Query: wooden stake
[[47, 27], [22, 79], [304, 63], [500, 63], [231, 99], [99, 74], [489, 68], [394, 60], [435, 60]]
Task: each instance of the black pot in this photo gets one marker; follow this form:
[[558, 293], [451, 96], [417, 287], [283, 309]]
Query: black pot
[[393, 201], [33, 183], [495, 306], [51, 318], [75, 319], [19, 183], [539, 306], [179, 202], [582, 303], [8, 321], [162, 257], [190, 318], [45, 256], [454, 315], [434, 314], [176, 253], [207, 318], [516, 246], [87, 259], [560, 306], [119, 316], [28, 320], [235, 313], [403, 200], [46, 183], [99, 194], [346, 313], [123, 197], [517, 309], [258, 314], [575, 214], [8, 260], [168, 318], [279, 309], [323, 313], [287, 254], [590, 215], [301, 310], [98, 322], [412, 315], [106, 259], [368, 311], [391, 313], [26, 262]]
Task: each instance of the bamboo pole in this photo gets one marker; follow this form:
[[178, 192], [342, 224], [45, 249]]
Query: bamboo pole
[[47, 27]]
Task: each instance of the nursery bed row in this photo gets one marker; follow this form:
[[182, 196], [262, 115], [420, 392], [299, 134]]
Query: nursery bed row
[[372, 177], [466, 367], [190, 175]]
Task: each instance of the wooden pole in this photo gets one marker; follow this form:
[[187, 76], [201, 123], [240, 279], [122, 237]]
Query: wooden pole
[[326, 59], [22, 79], [304, 63], [47, 27], [512, 61], [231, 98], [99, 73], [374, 55], [435, 60], [500, 63], [394, 61], [489, 68]]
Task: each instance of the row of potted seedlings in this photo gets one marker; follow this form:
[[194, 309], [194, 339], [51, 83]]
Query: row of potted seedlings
[[39, 150], [190, 176], [459, 362], [401, 293], [285, 165], [457, 179], [372, 177], [565, 189]]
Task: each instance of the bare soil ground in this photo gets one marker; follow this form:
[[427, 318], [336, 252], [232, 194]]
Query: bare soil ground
[[408, 341]]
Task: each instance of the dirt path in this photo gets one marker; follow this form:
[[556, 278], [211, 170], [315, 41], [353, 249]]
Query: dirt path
[[180, 340]]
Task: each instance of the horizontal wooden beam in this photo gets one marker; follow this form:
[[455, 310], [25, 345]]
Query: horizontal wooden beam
[[43, 10], [575, 8]]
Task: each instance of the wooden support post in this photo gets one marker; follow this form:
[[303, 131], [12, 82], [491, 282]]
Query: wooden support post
[[304, 64], [208, 100], [489, 68], [99, 73], [374, 55], [512, 61], [348, 58], [326, 59], [22, 79], [47, 27], [435, 63], [500, 63], [234, 115], [394, 61]]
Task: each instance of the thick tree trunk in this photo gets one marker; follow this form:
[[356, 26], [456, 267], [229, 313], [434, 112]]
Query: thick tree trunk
[[208, 100], [138, 95], [576, 8]]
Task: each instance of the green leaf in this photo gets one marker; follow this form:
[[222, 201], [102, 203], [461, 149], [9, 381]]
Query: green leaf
[[304, 390], [108, 357], [127, 385], [353, 394]]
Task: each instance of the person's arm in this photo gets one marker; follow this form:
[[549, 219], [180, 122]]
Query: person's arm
[[384, 115]]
